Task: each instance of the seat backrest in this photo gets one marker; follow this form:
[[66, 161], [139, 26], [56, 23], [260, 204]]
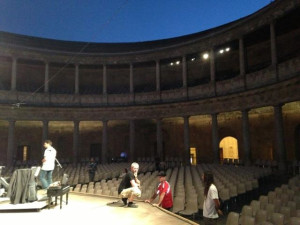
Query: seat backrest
[[271, 196], [233, 218], [261, 216], [277, 218], [263, 199], [295, 221], [246, 220], [286, 211], [247, 210], [270, 208], [255, 206]]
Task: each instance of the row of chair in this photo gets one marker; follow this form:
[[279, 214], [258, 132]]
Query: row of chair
[[278, 207]]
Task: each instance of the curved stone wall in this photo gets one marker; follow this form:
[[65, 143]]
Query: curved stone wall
[[249, 63]]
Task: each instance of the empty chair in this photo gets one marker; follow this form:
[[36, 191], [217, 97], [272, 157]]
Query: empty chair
[[294, 221], [263, 199], [286, 211], [255, 206], [292, 206], [277, 219], [278, 191], [246, 220], [261, 216], [271, 196], [270, 208], [277, 204], [284, 199], [224, 195], [298, 213], [178, 204], [233, 219], [191, 208], [247, 210]]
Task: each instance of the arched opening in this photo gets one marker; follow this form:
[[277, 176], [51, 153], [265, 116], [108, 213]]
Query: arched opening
[[229, 149]]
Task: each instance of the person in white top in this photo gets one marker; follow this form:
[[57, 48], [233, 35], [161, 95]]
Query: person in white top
[[211, 202], [48, 164]]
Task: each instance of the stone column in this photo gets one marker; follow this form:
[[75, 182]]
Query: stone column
[[75, 141], [14, 74], [273, 44], [184, 76], [10, 157], [159, 139], [184, 72], [242, 61], [76, 79], [104, 91], [246, 137], [215, 138], [186, 136], [45, 130], [131, 85], [132, 140], [46, 82], [212, 69], [104, 142], [157, 75], [280, 143]]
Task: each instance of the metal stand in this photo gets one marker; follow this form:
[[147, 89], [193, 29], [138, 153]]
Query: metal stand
[[59, 166]]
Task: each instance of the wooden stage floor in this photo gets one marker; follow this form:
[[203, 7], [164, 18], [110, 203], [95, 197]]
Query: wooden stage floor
[[84, 208]]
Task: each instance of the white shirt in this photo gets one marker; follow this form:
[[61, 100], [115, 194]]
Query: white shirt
[[49, 156], [209, 210]]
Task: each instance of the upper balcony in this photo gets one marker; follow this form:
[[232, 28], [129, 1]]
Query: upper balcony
[[254, 52]]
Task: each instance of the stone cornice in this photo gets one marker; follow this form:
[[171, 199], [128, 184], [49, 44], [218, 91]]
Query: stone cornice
[[279, 93]]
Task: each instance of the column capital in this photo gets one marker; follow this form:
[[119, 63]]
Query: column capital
[[186, 117], [45, 121], [14, 57], [76, 121], [278, 105], [246, 110]]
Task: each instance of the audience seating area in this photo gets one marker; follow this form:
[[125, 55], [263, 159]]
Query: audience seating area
[[280, 206], [238, 187]]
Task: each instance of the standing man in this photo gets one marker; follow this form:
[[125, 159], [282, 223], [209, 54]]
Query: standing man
[[211, 204], [48, 164], [164, 192], [129, 186], [92, 167]]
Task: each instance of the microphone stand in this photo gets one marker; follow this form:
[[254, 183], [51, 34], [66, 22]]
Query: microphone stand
[[59, 166]]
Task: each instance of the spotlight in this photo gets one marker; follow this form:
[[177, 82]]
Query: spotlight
[[171, 64], [193, 59], [221, 51], [205, 56], [227, 49], [177, 62]]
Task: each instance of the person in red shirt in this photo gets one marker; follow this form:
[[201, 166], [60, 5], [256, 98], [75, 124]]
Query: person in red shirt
[[164, 192]]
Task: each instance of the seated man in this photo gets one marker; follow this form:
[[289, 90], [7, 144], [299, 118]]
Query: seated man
[[129, 186]]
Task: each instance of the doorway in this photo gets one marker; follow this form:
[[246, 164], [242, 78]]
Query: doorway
[[193, 156], [229, 148]]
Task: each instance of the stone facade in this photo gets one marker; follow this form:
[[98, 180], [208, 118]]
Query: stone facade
[[157, 98]]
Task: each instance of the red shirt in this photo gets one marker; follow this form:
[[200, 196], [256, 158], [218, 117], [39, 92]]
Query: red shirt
[[164, 187]]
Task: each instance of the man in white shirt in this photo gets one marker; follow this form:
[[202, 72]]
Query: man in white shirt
[[48, 164]]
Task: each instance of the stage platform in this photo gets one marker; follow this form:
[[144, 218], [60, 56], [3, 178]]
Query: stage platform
[[6, 206], [86, 208]]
